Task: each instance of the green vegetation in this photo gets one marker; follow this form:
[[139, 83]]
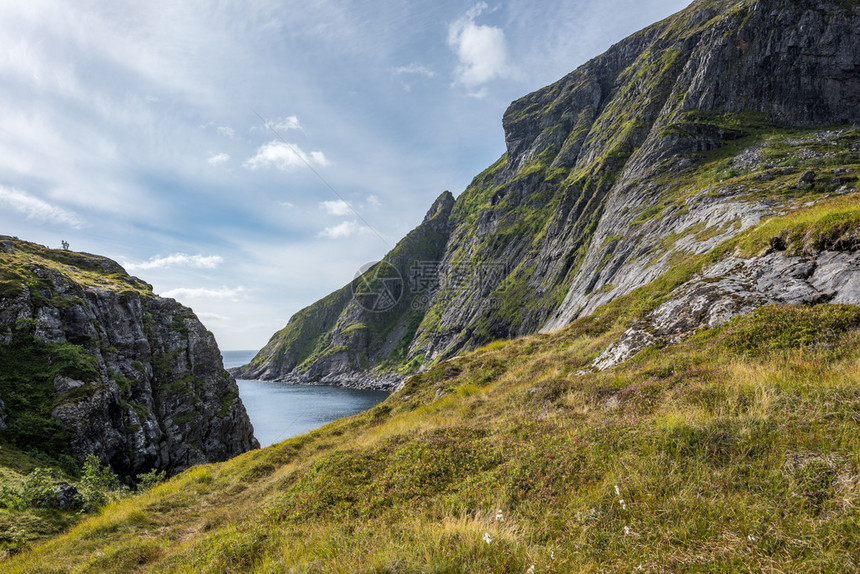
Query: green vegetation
[[522, 300], [736, 449], [811, 229], [534, 212], [29, 505], [649, 213], [29, 266], [179, 325], [371, 336], [27, 388], [306, 335], [783, 328]]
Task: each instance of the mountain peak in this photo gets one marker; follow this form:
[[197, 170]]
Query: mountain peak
[[441, 207], [679, 137]]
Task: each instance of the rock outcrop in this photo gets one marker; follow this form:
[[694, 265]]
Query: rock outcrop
[[134, 378], [676, 139], [736, 286]]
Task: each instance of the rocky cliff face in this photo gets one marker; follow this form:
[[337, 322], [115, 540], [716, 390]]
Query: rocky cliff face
[[675, 140], [103, 366], [358, 336]]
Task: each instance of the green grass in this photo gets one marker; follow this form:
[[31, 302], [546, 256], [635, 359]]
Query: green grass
[[735, 450], [808, 229], [522, 302], [82, 268], [27, 484], [738, 449], [514, 217]]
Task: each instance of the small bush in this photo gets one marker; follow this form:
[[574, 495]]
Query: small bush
[[35, 490], [147, 480], [99, 485]]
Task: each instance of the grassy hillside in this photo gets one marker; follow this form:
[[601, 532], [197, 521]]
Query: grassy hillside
[[20, 260], [736, 449]]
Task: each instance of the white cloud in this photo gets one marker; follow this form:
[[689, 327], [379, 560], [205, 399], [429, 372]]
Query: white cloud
[[220, 293], [373, 201], [481, 50], [412, 70], [218, 158], [284, 124], [227, 131], [285, 156], [338, 207], [319, 158], [345, 229], [35, 208], [177, 260], [415, 69]]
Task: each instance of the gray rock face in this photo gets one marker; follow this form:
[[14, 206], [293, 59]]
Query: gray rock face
[[162, 398], [785, 62], [789, 63], [2, 414], [735, 287], [342, 339], [602, 188]]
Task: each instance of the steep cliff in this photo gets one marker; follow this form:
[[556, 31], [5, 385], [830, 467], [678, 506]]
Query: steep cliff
[[360, 335], [673, 141], [95, 363]]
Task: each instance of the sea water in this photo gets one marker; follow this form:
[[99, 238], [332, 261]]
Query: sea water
[[280, 411]]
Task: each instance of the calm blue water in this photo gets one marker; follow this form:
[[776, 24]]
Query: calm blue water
[[279, 411]]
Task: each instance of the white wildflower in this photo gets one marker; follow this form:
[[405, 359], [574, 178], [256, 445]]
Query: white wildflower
[[751, 538], [499, 516], [620, 500], [552, 554], [531, 569], [487, 538], [626, 531]]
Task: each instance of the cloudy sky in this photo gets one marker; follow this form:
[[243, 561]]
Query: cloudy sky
[[248, 157]]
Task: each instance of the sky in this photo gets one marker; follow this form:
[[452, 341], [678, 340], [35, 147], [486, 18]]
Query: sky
[[249, 157]]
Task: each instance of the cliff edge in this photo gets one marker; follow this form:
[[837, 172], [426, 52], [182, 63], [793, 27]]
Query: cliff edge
[[95, 363]]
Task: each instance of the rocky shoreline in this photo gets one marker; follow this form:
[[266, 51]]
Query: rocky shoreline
[[368, 381]]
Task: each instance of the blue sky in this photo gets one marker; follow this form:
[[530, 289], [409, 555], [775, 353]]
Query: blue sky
[[134, 130]]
